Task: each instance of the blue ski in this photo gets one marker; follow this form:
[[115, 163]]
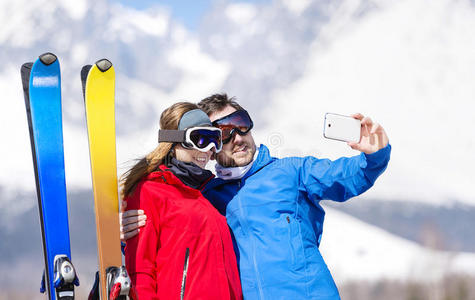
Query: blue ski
[[42, 90]]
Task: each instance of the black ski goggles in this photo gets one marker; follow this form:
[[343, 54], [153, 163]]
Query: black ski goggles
[[199, 138], [238, 122]]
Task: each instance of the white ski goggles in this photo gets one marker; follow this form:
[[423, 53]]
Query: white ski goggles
[[200, 138]]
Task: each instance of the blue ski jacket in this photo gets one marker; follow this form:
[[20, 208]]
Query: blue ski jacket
[[276, 219]]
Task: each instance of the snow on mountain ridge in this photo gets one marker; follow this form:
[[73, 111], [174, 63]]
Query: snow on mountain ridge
[[151, 75], [354, 250], [29, 22], [170, 62], [407, 65], [279, 61], [125, 23]]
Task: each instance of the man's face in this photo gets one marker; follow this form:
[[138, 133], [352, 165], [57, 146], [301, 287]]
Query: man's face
[[240, 150]]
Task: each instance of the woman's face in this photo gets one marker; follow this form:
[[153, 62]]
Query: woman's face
[[192, 155]]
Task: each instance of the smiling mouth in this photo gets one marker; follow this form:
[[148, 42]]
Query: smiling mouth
[[241, 149], [201, 160]]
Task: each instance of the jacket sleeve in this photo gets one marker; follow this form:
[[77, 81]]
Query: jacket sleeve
[[343, 178], [141, 250]]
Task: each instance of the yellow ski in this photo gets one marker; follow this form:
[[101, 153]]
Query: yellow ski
[[98, 87]]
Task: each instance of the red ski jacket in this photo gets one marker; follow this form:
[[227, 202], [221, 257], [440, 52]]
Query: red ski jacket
[[185, 249]]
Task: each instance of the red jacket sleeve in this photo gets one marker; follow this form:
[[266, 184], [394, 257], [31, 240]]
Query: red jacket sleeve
[[141, 250]]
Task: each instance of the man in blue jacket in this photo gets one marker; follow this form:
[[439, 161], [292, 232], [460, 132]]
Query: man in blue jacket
[[273, 205]]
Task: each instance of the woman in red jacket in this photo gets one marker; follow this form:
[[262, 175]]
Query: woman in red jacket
[[185, 250]]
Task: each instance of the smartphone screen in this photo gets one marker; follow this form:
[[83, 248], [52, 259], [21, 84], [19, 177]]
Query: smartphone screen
[[342, 128]]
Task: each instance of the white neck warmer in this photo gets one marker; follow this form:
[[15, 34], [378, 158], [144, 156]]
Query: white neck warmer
[[234, 172]]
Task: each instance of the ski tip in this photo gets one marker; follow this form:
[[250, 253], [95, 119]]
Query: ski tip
[[25, 72], [26, 66], [85, 70], [48, 58], [103, 64], [84, 73]]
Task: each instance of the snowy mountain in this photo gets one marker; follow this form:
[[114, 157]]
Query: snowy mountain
[[288, 62], [407, 64], [433, 226], [147, 49], [355, 250]]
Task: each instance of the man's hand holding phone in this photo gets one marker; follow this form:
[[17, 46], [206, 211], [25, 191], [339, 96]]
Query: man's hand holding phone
[[372, 136]]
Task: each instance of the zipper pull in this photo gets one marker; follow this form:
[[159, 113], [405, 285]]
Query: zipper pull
[[185, 272], [288, 219]]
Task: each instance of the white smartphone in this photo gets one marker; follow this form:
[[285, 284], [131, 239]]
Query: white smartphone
[[342, 128]]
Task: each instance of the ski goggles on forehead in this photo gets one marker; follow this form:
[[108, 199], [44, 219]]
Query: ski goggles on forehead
[[200, 138], [238, 122]]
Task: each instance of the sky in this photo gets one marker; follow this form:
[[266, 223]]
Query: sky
[[187, 12], [190, 13]]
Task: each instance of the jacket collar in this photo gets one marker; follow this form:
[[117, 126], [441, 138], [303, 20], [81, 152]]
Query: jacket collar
[[262, 160], [189, 173], [165, 175]]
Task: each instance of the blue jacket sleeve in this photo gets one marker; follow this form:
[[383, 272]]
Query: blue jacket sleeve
[[343, 178]]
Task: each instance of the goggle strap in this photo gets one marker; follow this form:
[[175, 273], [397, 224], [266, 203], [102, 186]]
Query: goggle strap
[[171, 136]]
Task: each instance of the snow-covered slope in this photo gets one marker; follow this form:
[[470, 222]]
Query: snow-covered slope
[[355, 250]]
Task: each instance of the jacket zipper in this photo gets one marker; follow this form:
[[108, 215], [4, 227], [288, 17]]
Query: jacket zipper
[[290, 235], [243, 222], [185, 271]]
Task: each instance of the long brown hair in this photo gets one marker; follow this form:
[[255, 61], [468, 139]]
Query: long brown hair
[[169, 119]]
